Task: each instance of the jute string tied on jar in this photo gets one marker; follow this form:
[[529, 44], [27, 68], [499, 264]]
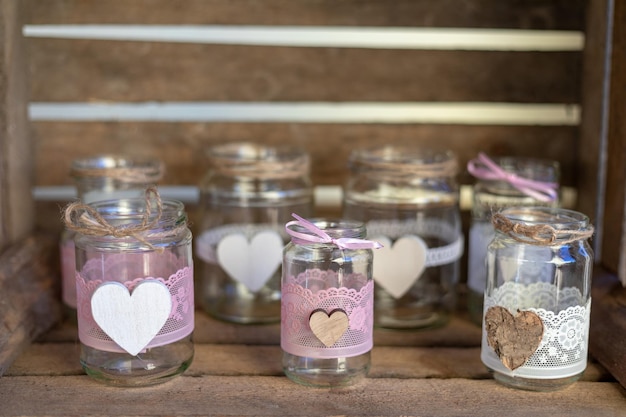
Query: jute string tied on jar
[[538, 234], [84, 219]]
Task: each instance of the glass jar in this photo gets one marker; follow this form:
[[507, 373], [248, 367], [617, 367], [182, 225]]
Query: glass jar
[[247, 196], [135, 291], [538, 298], [102, 178], [409, 200], [497, 187], [327, 305]]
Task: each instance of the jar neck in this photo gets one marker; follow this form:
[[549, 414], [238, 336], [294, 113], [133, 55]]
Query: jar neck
[[393, 163], [109, 173], [132, 212], [527, 168], [335, 229], [542, 226], [249, 161]]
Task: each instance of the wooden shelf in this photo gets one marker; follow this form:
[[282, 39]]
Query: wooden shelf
[[237, 371]]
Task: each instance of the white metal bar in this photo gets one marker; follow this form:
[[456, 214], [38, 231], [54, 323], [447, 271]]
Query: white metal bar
[[325, 36], [313, 112]]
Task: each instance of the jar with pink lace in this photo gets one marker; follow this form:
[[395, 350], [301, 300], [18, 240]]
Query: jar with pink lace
[[134, 280], [327, 302]]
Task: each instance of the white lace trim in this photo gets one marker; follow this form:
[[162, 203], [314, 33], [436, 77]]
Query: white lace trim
[[565, 317]]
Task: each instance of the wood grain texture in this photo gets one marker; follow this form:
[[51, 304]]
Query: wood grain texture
[[29, 296], [538, 14], [182, 146], [16, 163], [91, 71], [62, 359], [607, 339], [614, 240], [261, 396]]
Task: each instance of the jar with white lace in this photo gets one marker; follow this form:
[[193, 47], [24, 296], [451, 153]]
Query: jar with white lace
[[538, 298]]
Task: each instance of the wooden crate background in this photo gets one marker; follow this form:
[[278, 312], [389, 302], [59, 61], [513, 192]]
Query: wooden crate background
[[585, 136]]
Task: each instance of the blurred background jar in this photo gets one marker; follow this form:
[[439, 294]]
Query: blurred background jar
[[97, 178], [500, 183], [409, 200], [247, 197], [149, 256], [538, 297]]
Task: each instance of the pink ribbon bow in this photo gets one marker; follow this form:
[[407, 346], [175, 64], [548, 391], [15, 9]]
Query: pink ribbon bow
[[319, 236], [484, 168]]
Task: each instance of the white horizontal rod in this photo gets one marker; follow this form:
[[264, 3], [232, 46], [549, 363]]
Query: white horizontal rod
[[325, 36], [313, 112]]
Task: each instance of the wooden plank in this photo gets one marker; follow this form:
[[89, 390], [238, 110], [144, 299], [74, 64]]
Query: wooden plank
[[614, 238], [29, 296], [144, 71], [607, 339], [538, 14], [249, 395], [182, 146], [16, 206], [591, 146], [62, 359]]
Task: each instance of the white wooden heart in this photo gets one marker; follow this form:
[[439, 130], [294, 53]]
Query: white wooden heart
[[398, 267], [131, 321], [251, 263]]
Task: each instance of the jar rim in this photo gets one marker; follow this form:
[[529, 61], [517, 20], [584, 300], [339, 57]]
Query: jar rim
[[422, 162], [119, 167], [126, 210], [335, 228], [559, 218], [248, 159]]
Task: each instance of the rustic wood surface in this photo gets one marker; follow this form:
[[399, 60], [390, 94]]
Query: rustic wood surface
[[238, 372], [614, 239], [538, 14], [29, 295], [16, 162], [62, 70]]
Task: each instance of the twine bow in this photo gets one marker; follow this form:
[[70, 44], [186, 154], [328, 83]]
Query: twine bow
[[84, 219], [484, 168], [319, 236]]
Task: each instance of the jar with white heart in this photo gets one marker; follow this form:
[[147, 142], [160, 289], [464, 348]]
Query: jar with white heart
[[538, 298], [409, 199], [97, 178], [327, 302], [135, 290], [248, 194]]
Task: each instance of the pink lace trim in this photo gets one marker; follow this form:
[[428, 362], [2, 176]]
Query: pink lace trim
[[298, 303], [180, 323]]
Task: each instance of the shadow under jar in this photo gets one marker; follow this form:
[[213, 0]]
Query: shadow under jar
[[247, 197], [409, 200]]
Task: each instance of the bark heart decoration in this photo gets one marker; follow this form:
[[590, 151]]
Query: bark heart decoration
[[131, 321], [329, 329], [514, 338]]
